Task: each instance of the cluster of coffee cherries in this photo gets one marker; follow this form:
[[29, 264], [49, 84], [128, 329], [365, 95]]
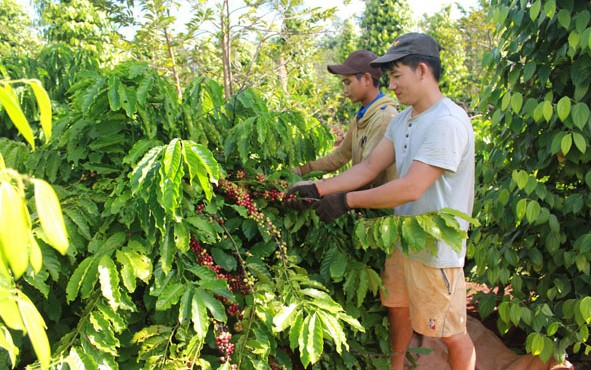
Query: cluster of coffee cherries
[[242, 198], [226, 347]]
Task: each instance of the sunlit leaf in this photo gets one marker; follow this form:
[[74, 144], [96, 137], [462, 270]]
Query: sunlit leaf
[[44, 107], [50, 215], [10, 102]]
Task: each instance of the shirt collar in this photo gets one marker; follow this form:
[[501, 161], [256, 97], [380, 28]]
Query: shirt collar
[[362, 111]]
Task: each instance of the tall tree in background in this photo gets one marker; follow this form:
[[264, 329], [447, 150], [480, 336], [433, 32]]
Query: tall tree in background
[[382, 22], [535, 175], [16, 25], [445, 30], [477, 32], [79, 24]]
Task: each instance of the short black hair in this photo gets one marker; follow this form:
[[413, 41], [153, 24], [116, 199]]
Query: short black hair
[[376, 83], [413, 62]]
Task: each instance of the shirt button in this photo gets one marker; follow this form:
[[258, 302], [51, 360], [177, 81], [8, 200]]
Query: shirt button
[[406, 135]]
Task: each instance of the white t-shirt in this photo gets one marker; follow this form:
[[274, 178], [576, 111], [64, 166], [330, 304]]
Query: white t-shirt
[[441, 136]]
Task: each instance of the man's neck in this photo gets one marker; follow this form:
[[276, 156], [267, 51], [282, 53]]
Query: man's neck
[[427, 101], [370, 97]]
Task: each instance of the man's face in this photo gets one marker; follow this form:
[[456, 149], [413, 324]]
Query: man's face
[[404, 82], [355, 89]]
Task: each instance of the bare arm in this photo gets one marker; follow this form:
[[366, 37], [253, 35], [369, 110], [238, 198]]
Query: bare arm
[[409, 188], [362, 173]]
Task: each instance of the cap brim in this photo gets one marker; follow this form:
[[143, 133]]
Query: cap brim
[[340, 69], [388, 58]]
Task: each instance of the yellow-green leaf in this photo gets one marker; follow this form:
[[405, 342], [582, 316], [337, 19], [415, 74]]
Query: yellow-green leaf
[[10, 313], [580, 142], [44, 107], [36, 330], [550, 8], [516, 102], [36, 258], [566, 143], [50, 215], [10, 102], [14, 229], [534, 11], [547, 110], [563, 108], [7, 343]]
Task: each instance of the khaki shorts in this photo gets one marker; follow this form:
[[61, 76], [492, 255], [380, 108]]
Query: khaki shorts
[[435, 297]]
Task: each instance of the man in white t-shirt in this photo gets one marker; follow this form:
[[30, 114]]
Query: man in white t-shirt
[[432, 145]]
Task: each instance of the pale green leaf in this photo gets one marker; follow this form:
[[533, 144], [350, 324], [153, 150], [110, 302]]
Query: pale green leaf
[[44, 107], [334, 330], [547, 110], [285, 317], [9, 311], [550, 8], [7, 343], [14, 229], [50, 215], [563, 108], [534, 11], [585, 308], [109, 281], [315, 340], [566, 144], [35, 326], [10, 103], [35, 256], [516, 102]]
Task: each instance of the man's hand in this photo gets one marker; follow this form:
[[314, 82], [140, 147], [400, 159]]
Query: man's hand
[[302, 196], [331, 207]]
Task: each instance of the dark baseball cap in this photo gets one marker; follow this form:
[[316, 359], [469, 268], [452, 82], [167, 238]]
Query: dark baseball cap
[[357, 62], [409, 44]]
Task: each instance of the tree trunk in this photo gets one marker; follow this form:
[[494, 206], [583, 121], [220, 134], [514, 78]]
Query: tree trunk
[[281, 65], [226, 49], [175, 75]]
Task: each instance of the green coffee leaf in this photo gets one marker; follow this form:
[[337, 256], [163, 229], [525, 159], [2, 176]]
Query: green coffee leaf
[[109, 281], [285, 317], [199, 317]]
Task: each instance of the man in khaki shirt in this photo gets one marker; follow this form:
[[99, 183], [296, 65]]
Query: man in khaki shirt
[[361, 85]]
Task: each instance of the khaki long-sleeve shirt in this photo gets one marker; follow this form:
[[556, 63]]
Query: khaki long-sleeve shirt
[[362, 136]]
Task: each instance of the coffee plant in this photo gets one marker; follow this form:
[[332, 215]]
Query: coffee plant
[[181, 251], [534, 176]]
